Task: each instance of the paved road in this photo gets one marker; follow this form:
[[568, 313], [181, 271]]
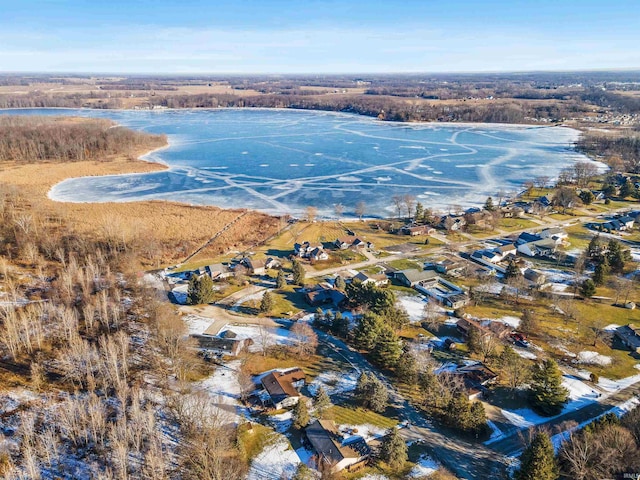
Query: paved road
[[514, 441], [472, 461]]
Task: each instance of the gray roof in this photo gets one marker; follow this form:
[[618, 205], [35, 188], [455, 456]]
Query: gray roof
[[327, 442], [414, 275]]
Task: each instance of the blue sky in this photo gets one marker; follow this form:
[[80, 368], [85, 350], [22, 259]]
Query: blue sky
[[317, 36]]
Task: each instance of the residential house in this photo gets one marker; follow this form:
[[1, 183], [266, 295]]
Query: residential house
[[272, 263], [545, 247], [218, 271], [452, 223], [555, 233], [332, 451], [377, 279], [475, 377], [322, 295], [449, 266], [310, 251], [629, 335], [507, 249], [226, 342], [627, 221], [526, 237], [255, 267], [283, 388], [411, 277], [343, 243], [535, 276], [445, 292], [497, 329], [415, 230]]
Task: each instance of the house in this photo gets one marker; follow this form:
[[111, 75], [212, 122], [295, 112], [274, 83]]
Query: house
[[506, 250], [218, 271], [475, 377], [343, 243], [545, 247], [526, 237], [255, 267], [377, 279], [449, 266], [226, 342], [629, 335], [452, 223], [535, 276], [627, 222], [411, 277], [310, 251], [332, 450], [443, 291], [554, 233], [282, 388], [455, 301], [415, 230], [497, 329], [322, 295], [272, 263]]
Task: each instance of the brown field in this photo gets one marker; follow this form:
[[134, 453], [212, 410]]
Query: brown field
[[169, 230]]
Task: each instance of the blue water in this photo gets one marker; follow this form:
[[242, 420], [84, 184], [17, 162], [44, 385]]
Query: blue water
[[281, 161]]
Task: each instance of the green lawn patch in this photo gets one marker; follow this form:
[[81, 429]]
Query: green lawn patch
[[253, 440], [359, 416], [404, 264]]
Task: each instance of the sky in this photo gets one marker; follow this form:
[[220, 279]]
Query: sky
[[317, 36]]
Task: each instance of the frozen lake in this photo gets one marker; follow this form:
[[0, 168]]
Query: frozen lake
[[281, 161]]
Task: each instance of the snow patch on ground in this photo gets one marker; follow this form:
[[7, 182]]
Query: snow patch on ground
[[334, 382], [511, 321], [593, 358], [277, 460], [524, 353], [281, 422], [615, 385], [496, 433], [197, 324], [351, 433], [414, 305], [272, 335], [424, 467], [611, 328], [224, 388]]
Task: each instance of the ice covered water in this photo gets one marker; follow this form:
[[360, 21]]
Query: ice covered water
[[282, 161]]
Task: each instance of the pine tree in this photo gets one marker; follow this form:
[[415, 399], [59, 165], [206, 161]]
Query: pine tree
[[488, 205], [588, 288], [363, 389], [538, 461], [281, 281], [419, 216], [601, 271], [547, 394], [200, 290], [301, 414], [318, 318], [322, 401], [303, 473], [379, 396], [528, 322], [339, 283], [340, 325], [587, 197], [458, 412], [512, 270], [367, 331], [298, 273], [617, 256], [473, 340], [478, 419], [267, 303], [594, 249], [393, 450], [387, 350], [627, 189]]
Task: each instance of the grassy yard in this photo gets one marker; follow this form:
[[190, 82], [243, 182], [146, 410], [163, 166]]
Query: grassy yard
[[253, 440], [579, 236], [511, 224], [345, 415], [405, 264], [340, 257]]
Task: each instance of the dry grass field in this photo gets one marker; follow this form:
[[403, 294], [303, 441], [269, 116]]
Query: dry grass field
[[170, 231]]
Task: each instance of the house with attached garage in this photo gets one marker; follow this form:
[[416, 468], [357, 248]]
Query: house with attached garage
[[255, 267], [475, 378], [629, 335], [555, 233], [333, 451], [412, 276], [283, 388], [378, 279], [545, 247]]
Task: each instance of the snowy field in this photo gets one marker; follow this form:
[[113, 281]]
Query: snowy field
[[334, 383], [299, 158], [262, 336], [414, 305], [276, 461]]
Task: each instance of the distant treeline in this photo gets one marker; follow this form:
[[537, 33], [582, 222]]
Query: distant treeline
[[28, 139], [622, 150], [97, 100]]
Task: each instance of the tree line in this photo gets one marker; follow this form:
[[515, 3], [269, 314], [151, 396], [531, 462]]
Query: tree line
[[28, 139]]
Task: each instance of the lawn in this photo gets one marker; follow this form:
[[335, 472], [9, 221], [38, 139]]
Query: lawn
[[579, 236], [511, 224], [339, 257], [253, 440], [344, 415], [404, 264]]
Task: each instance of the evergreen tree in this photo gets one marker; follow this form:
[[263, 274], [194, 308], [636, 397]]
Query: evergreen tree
[[393, 450], [387, 349], [318, 318], [267, 303], [458, 412], [473, 340], [547, 394], [339, 283], [488, 205], [627, 189], [379, 396], [512, 270], [298, 273], [303, 473], [419, 217], [528, 322], [617, 256], [601, 271], [200, 290], [407, 369], [367, 331], [478, 419], [588, 288], [538, 462], [301, 414], [340, 325], [594, 249], [363, 388], [281, 281], [587, 197], [322, 401]]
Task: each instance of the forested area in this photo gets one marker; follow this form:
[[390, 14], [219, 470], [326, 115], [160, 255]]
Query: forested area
[[621, 150], [32, 139]]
